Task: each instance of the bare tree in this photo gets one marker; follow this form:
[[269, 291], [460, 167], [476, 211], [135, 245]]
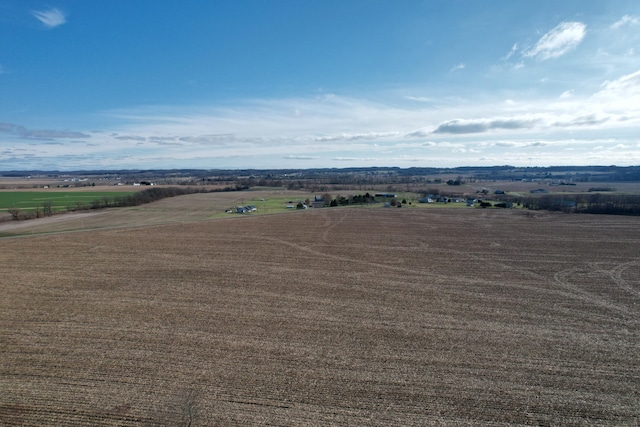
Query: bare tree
[[15, 213], [47, 208]]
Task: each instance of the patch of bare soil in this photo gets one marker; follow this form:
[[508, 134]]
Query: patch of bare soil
[[345, 317], [41, 222]]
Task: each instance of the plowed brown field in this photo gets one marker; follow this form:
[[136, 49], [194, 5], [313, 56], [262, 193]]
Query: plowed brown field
[[355, 316]]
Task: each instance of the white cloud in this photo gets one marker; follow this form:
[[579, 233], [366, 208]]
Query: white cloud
[[624, 86], [294, 157], [619, 97], [21, 132], [513, 51], [263, 133], [459, 126], [332, 124], [130, 138], [626, 20], [425, 99], [621, 147], [458, 67], [358, 136], [345, 159], [50, 18], [566, 94], [452, 145], [557, 42]]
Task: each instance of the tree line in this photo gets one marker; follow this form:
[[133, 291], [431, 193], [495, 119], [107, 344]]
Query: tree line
[[339, 200], [596, 203]]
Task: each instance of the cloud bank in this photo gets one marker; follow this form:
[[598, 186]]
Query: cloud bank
[[22, 132], [479, 126], [313, 132]]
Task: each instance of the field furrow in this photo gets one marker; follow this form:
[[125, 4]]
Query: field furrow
[[325, 317]]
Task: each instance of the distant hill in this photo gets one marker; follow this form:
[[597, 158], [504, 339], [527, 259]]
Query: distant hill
[[574, 173]]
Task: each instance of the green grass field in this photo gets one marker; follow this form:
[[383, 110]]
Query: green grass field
[[60, 200]]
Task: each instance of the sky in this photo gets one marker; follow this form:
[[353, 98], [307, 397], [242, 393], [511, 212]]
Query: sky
[[280, 84]]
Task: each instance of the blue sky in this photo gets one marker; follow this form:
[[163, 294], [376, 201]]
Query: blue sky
[[123, 84]]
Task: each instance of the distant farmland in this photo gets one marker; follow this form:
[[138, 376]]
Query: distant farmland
[[344, 316], [60, 200]]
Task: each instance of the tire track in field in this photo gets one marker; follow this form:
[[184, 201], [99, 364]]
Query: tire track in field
[[330, 225], [561, 279], [404, 270], [616, 275], [568, 290]]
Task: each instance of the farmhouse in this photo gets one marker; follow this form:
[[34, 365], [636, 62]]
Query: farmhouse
[[245, 209], [318, 202]]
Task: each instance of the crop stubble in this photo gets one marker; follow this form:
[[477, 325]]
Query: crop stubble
[[327, 317]]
